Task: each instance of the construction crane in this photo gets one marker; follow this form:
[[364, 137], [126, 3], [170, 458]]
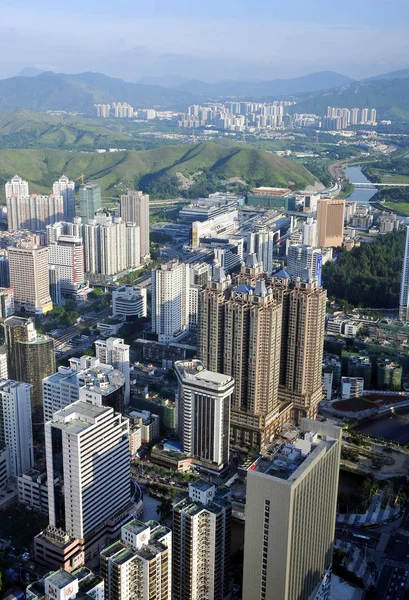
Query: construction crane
[[82, 176]]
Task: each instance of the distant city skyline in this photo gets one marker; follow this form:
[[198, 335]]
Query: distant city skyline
[[154, 38]]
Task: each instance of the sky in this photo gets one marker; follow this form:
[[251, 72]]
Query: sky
[[205, 39]]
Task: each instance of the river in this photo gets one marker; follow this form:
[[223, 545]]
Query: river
[[360, 195], [394, 427]]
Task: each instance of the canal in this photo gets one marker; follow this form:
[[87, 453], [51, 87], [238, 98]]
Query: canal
[[360, 195]]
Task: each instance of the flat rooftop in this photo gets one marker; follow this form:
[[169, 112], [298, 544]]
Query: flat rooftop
[[78, 416], [194, 370], [61, 578]]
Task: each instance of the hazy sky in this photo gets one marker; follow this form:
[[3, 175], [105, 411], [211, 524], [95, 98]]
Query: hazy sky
[[205, 39]]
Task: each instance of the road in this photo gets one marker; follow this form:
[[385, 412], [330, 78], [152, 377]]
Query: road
[[70, 332]]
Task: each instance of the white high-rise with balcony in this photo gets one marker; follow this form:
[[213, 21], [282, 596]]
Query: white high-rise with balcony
[[16, 187], [16, 431], [170, 300]]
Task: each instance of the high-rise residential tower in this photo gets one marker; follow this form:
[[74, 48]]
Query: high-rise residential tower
[[16, 431], [170, 300], [30, 279], [330, 219], [134, 208], [201, 544], [90, 200], [404, 286], [66, 189], [290, 517], [203, 410], [33, 212], [67, 256], [115, 352], [16, 187]]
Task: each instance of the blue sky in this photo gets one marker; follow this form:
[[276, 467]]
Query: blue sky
[[206, 39]]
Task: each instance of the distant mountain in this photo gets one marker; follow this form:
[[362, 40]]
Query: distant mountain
[[167, 81], [30, 72], [401, 74], [390, 99], [276, 87], [155, 171], [78, 93]]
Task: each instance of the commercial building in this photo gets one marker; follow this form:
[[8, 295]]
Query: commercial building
[[30, 357], [16, 426], [330, 219], [33, 490], [90, 200], [66, 189], [6, 302], [113, 351], [305, 259], [34, 212], [5, 472], [130, 302], [203, 413], [310, 232], [218, 226], [66, 255], [134, 208], [272, 197], [170, 300], [201, 544], [140, 564], [147, 423], [3, 363], [404, 286], [29, 279], [81, 584], [290, 516]]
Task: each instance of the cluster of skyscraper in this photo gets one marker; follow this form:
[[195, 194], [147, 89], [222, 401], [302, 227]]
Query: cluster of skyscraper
[[341, 118]]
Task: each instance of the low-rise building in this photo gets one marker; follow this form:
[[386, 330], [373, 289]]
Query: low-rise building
[[33, 490], [130, 302], [352, 387], [81, 584], [148, 424]]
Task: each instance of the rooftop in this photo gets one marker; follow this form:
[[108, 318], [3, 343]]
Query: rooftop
[[194, 370], [78, 417], [61, 578]]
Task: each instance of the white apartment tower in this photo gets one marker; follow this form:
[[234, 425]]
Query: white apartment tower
[[33, 212], [310, 232], [115, 352], [170, 300], [404, 286], [66, 189], [262, 244], [16, 431], [16, 187], [290, 516], [203, 412], [140, 564], [134, 208], [67, 256], [30, 279], [87, 452]]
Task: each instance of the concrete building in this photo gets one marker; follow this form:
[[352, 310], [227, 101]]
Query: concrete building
[[4, 373], [218, 226], [201, 544], [327, 383], [6, 302], [310, 232], [81, 584], [34, 212], [30, 358], [5, 472], [404, 286], [134, 208], [140, 564], [29, 279], [302, 259], [262, 244], [67, 256], [66, 189], [16, 431], [352, 387], [33, 490], [147, 423], [170, 300], [203, 413], [113, 351], [290, 516], [90, 200], [130, 302], [330, 219], [16, 187]]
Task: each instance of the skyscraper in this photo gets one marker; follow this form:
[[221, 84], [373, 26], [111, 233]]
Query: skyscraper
[[309, 232], [90, 200], [140, 564], [30, 358], [33, 212], [134, 208], [203, 409], [93, 441], [16, 187], [263, 246], [201, 544], [301, 258], [330, 219], [29, 278], [115, 352], [67, 256], [404, 285], [66, 189], [290, 517], [16, 431], [170, 300]]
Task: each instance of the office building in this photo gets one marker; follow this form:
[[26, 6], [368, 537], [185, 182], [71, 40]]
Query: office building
[[404, 286], [201, 544], [170, 300], [66, 189], [90, 200], [33, 212], [87, 453], [6, 302], [16, 432], [16, 187], [330, 220], [302, 258], [219, 226], [130, 302], [290, 516], [66, 255], [272, 197], [80, 584], [203, 413], [30, 356], [29, 279], [134, 208], [113, 351], [140, 564]]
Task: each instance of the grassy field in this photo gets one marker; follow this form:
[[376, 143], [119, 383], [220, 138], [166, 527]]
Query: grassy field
[[400, 208], [394, 178], [20, 525]]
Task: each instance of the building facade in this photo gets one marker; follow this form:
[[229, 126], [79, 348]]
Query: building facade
[[66, 189], [29, 279], [170, 300], [90, 200], [16, 432], [134, 208], [130, 302], [113, 351], [330, 220]]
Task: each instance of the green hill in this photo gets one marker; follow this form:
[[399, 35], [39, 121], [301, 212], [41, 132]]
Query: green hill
[[162, 172], [389, 97]]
